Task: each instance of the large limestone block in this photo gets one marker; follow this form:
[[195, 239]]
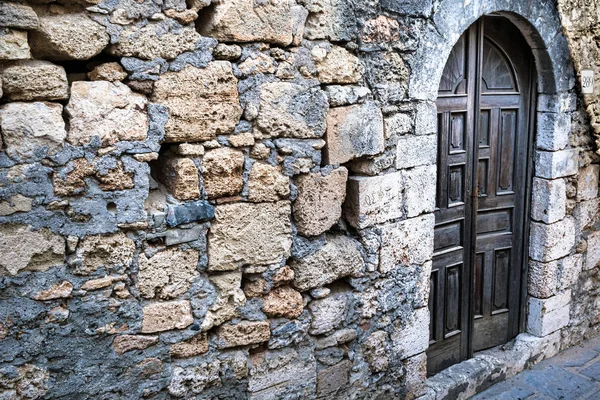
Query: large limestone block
[[180, 176], [549, 203], [267, 183], [34, 80], [408, 339], [593, 250], [556, 164], [67, 37], [166, 316], [319, 203], [291, 110], [338, 258], [269, 21], [414, 151], [168, 274], [249, 234], [15, 15], [408, 242], [222, 172], [353, 132], [108, 110], [551, 242], [30, 129], [98, 251], [14, 45], [419, 186], [337, 65], [328, 313], [548, 315], [277, 374], [373, 199], [547, 279], [242, 334], [151, 41], [23, 249], [202, 103]]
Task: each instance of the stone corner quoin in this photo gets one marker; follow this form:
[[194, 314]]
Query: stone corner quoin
[[235, 199]]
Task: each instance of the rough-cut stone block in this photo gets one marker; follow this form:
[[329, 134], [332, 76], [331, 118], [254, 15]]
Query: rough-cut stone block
[[413, 151], [549, 200], [319, 203], [110, 71], [353, 131], [419, 190], [247, 21], [151, 41], [14, 45], [276, 374], [267, 183], [346, 95], [32, 129], [338, 258], [587, 183], [373, 200], [110, 252], [410, 339], [557, 164], [593, 250], [108, 110], [283, 302], [380, 30], [124, 343], [180, 176], [549, 315], [426, 118], [72, 36], [222, 172], [202, 103], [23, 249], [34, 80], [190, 348], [243, 334], [547, 279], [330, 19], [196, 211], [336, 65], [328, 313], [168, 274], [551, 242], [14, 15], [15, 204], [398, 124], [553, 131], [159, 317], [330, 380], [249, 234], [586, 212], [290, 110], [408, 242]]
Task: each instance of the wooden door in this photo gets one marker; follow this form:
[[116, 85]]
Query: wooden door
[[484, 113]]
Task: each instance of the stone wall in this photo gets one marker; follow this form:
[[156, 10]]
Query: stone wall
[[235, 199]]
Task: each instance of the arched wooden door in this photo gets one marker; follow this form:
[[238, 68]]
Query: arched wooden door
[[484, 111]]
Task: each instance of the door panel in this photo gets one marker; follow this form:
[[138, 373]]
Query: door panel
[[475, 283]]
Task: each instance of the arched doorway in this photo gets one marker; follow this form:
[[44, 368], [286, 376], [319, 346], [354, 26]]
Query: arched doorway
[[485, 118]]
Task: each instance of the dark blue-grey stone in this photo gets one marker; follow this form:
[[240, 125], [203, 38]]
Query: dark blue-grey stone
[[190, 212]]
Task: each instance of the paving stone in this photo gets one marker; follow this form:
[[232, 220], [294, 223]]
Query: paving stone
[[504, 391], [574, 357], [558, 383], [593, 371]]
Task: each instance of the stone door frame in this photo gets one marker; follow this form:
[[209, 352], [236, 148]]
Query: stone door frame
[[552, 157]]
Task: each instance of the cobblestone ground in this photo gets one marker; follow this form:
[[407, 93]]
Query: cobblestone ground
[[571, 375]]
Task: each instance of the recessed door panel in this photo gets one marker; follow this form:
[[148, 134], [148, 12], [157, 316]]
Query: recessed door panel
[[483, 133]]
